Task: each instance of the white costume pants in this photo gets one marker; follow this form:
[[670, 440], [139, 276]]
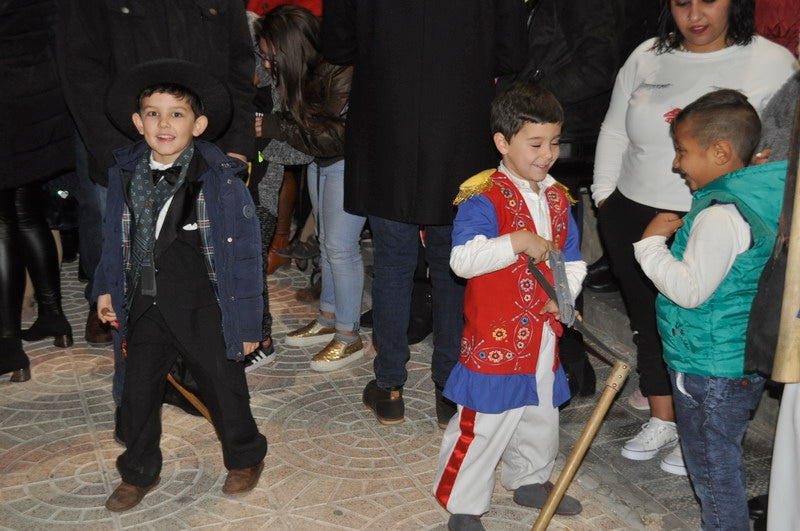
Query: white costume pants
[[524, 440]]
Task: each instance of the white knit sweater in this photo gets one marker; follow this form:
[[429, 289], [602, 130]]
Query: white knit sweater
[[634, 150]]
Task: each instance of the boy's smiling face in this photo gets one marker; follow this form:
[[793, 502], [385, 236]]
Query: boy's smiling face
[[696, 164], [531, 152], [168, 125]]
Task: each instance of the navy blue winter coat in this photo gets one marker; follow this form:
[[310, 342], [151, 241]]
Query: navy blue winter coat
[[234, 234]]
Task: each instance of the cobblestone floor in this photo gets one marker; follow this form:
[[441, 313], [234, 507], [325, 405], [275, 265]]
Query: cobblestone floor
[[330, 464]]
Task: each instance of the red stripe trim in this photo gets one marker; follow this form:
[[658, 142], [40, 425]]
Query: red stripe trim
[[467, 426]]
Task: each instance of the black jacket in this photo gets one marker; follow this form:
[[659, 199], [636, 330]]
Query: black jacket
[[418, 121], [575, 49], [36, 133], [101, 38], [572, 51]]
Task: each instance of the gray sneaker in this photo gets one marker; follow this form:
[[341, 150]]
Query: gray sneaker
[[535, 495], [465, 522]]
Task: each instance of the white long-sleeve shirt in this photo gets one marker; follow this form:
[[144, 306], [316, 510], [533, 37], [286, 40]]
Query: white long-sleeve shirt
[[483, 254], [718, 235], [634, 149]]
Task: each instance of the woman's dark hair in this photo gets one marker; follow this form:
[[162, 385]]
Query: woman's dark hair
[[292, 33], [741, 26], [520, 103]]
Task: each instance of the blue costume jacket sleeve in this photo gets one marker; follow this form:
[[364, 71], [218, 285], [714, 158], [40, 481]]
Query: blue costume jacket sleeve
[[475, 217], [572, 247]]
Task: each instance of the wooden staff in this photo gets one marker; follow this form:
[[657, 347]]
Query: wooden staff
[[188, 395], [191, 397], [619, 372], [786, 367]]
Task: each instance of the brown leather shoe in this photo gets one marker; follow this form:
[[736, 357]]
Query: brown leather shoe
[[241, 480], [97, 334], [127, 496]]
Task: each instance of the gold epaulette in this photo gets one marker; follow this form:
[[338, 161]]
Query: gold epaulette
[[475, 185], [565, 189]]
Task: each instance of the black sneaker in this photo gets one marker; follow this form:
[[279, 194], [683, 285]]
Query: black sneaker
[[260, 356]]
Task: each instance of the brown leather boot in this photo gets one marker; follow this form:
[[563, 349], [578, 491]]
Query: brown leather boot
[[97, 334], [242, 480], [273, 260], [286, 199], [127, 496]]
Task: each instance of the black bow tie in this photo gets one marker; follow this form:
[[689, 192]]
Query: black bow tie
[[170, 174]]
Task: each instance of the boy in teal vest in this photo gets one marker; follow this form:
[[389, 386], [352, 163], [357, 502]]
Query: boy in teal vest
[[707, 282]]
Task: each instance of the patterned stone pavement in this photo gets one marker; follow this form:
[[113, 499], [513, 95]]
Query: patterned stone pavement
[[330, 464]]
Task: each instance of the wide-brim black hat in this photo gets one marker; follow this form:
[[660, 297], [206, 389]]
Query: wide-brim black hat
[[121, 100]]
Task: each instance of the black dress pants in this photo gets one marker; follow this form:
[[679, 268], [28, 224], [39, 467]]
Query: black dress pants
[[152, 349]]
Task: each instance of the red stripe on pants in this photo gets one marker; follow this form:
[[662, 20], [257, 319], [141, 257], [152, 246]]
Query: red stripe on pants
[[467, 426]]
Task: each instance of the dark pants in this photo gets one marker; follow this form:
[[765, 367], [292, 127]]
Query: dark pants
[[396, 251], [152, 349], [621, 223]]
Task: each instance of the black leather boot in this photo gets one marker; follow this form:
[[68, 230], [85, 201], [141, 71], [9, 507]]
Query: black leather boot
[[14, 360], [50, 324]]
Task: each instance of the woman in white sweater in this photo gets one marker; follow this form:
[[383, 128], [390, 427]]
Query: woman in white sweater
[[703, 45]]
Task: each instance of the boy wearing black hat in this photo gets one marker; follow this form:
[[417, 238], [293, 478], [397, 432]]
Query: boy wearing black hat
[[180, 270]]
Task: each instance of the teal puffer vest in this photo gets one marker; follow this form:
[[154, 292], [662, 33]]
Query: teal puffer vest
[[709, 340]]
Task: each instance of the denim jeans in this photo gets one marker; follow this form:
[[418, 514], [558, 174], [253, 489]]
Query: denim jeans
[[341, 264], [712, 415], [396, 248]]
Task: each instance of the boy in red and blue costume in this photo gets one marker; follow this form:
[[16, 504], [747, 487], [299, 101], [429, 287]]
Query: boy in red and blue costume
[[508, 383]]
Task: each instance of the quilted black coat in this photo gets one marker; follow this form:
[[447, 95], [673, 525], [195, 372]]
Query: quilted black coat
[[36, 133]]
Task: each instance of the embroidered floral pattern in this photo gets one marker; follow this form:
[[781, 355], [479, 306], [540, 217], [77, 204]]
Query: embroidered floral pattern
[[503, 339], [500, 334]]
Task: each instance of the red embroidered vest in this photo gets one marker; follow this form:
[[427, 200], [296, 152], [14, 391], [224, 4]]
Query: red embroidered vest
[[503, 328]]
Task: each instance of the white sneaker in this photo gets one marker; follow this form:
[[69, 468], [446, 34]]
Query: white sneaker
[[673, 462], [655, 435], [638, 401]]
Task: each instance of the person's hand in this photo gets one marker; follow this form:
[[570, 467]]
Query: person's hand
[[762, 157], [105, 311], [259, 121], [664, 224], [248, 347], [551, 307], [533, 245], [238, 156]]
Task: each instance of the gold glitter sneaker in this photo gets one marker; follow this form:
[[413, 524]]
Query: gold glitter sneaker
[[310, 334], [336, 355]]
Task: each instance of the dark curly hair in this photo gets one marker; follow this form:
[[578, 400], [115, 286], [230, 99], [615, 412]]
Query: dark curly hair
[[741, 26], [520, 103]]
